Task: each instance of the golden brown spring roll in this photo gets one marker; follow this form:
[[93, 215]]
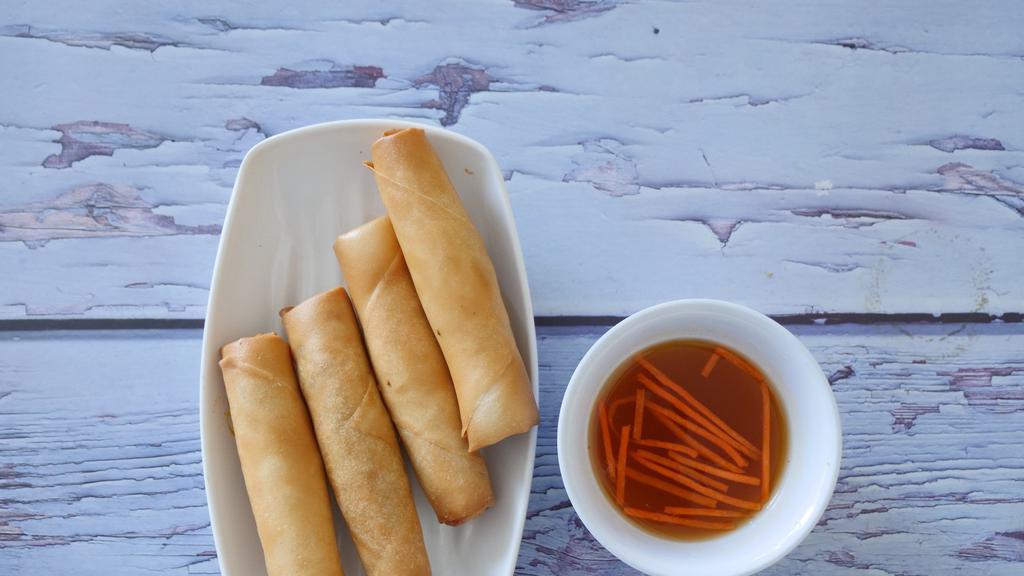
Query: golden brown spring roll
[[457, 285], [364, 463], [411, 373], [281, 464]]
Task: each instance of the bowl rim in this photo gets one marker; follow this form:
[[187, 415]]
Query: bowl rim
[[684, 307], [230, 216]]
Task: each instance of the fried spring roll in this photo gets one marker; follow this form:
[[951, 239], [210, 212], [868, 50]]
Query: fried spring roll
[[457, 285], [281, 464], [411, 373], [364, 464]]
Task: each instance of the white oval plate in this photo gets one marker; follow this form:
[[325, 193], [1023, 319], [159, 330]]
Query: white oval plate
[[294, 194]]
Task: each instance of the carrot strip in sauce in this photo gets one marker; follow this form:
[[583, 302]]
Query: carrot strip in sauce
[[719, 426], [671, 464], [670, 446], [700, 488], [669, 488], [739, 363], [712, 360], [663, 416], [620, 473], [714, 471], [716, 439], [766, 438], [606, 438], [613, 408], [684, 511], [638, 414], [657, 517], [675, 429]]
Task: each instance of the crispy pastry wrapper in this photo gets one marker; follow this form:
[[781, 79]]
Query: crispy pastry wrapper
[[411, 372], [364, 463], [457, 286], [284, 475]]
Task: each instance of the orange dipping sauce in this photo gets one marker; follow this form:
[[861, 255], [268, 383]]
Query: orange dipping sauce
[[677, 439]]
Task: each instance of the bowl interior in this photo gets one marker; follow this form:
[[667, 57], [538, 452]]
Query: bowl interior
[[808, 476]]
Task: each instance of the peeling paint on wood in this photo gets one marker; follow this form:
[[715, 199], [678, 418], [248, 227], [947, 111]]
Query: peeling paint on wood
[[101, 40], [841, 374], [638, 170], [852, 218], [976, 384], [960, 176], [455, 83], [606, 166], [958, 142], [92, 211], [904, 415], [1008, 546], [242, 124], [862, 44], [566, 10], [335, 77], [80, 140]]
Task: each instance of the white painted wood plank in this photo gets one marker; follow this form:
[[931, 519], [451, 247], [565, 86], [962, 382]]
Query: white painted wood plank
[[100, 469], [100, 465], [809, 156]]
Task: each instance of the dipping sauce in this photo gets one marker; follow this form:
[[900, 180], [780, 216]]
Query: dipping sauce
[[688, 439]]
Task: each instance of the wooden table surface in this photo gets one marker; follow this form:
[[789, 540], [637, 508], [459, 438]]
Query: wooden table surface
[[855, 169]]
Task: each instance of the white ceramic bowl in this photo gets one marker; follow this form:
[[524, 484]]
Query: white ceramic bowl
[[294, 194], [815, 440]]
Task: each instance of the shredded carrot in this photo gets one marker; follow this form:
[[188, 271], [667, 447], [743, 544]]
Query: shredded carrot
[[662, 415], [710, 365], [669, 488], [715, 471], [739, 363], [700, 488], [705, 414], [671, 464], [638, 413], [674, 428], [717, 439], [766, 411], [670, 446], [705, 524], [606, 438], [613, 408], [620, 475], [684, 511]]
